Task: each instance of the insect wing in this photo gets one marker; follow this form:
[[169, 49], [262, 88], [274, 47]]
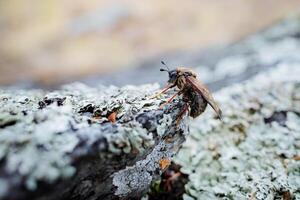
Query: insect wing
[[200, 88]]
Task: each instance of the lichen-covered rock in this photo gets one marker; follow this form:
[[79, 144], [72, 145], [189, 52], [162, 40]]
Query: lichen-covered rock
[[255, 152], [279, 43], [84, 143], [99, 142]]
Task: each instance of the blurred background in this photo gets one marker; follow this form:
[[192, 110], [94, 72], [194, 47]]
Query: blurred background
[[51, 42]]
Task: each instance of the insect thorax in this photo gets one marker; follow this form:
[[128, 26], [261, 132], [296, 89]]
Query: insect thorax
[[181, 82]]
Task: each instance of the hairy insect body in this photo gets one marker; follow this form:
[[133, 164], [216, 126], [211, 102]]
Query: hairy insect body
[[195, 95], [181, 76], [197, 104], [195, 101]]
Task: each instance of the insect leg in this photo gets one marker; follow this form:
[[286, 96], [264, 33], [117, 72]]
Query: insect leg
[[170, 99], [163, 90], [181, 114]]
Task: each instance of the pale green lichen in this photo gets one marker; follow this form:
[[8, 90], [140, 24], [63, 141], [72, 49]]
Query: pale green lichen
[[164, 122], [40, 130], [278, 44], [137, 178], [250, 154], [130, 138]]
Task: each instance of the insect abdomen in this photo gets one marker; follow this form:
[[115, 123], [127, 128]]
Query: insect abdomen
[[197, 106], [196, 101]]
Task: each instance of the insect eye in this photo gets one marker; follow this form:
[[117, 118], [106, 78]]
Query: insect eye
[[172, 76]]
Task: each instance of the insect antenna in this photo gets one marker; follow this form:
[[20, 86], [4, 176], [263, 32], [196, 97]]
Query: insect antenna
[[167, 70]]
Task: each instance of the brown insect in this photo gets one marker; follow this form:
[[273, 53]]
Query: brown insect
[[194, 93]]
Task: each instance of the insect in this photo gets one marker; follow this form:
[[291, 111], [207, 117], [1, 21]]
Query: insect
[[195, 95]]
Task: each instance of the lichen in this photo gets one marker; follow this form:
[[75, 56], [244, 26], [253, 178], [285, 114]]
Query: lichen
[[236, 62], [247, 156], [41, 132], [137, 178], [164, 122]]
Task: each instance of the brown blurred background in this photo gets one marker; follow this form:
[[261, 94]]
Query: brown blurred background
[[57, 41]]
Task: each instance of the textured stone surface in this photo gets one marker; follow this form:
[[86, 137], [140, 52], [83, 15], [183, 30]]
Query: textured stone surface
[[63, 141], [61, 145], [254, 153]]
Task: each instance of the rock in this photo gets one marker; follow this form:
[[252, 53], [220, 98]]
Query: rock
[[62, 145], [254, 153], [111, 143]]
